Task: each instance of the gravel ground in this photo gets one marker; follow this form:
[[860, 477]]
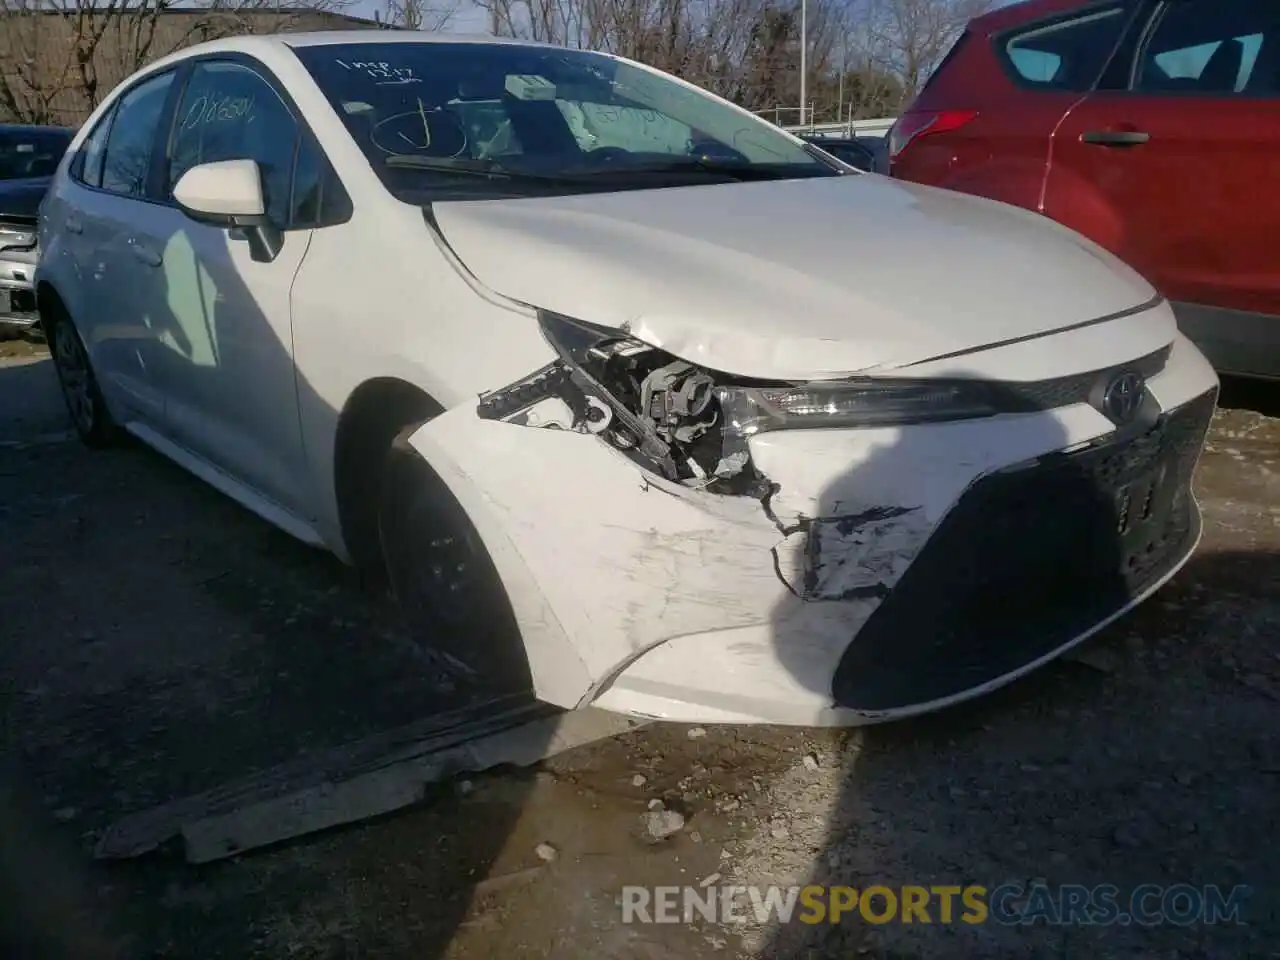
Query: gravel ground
[[158, 640]]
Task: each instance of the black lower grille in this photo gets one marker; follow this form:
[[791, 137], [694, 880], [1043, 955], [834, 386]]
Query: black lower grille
[[1028, 559], [22, 301]]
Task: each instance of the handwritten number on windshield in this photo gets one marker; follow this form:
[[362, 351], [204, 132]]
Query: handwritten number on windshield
[[380, 72]]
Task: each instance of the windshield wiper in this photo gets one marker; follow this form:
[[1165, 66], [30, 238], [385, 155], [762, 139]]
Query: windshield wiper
[[466, 166]]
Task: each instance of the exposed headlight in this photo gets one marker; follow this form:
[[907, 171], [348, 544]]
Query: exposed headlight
[[752, 406], [849, 403], [691, 424]]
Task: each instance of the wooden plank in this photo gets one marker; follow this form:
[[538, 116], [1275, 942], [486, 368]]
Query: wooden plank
[[389, 787], [297, 814], [364, 779], [144, 831]]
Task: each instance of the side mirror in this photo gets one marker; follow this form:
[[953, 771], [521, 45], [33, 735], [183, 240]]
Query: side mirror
[[228, 193]]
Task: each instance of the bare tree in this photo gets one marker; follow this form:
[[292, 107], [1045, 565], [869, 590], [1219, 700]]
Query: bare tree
[[576, 23], [745, 50], [865, 57], [907, 39], [59, 58], [419, 14], [29, 81]]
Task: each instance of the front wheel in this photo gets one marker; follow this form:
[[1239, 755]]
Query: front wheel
[[442, 575], [80, 390]]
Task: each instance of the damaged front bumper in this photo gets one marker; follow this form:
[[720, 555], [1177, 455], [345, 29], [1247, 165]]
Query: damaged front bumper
[[886, 570]]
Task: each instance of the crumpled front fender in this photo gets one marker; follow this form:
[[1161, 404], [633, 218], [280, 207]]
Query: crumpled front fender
[[600, 560]]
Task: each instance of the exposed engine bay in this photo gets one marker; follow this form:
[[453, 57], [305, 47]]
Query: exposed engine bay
[[667, 414]]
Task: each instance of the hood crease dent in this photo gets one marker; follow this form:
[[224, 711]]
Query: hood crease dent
[[808, 279]]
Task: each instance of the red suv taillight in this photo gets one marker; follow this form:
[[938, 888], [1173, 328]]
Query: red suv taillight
[[914, 125]]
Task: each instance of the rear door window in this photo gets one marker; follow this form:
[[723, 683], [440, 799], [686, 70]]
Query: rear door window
[[1065, 53], [86, 166], [1218, 47]]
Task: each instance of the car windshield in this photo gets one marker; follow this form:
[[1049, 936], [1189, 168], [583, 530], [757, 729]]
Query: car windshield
[[457, 119], [26, 153]]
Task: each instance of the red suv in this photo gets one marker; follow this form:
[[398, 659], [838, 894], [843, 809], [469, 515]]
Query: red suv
[[1150, 126]]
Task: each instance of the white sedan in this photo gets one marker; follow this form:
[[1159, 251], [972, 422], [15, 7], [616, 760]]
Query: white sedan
[[634, 398]]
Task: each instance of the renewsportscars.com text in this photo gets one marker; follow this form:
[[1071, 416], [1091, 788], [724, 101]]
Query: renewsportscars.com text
[[1007, 904]]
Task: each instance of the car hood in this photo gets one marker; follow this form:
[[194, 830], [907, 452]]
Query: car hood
[[795, 279], [21, 198]]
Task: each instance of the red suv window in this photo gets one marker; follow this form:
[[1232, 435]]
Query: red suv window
[[1067, 53]]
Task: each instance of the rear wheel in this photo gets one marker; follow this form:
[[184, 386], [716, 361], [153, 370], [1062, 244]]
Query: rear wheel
[[442, 575], [80, 388]]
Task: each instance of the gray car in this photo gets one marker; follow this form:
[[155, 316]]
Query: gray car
[[29, 155]]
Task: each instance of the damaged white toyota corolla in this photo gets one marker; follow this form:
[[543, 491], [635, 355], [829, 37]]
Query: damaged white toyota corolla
[[635, 398]]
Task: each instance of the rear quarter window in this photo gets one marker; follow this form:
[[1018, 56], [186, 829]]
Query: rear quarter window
[[1065, 53]]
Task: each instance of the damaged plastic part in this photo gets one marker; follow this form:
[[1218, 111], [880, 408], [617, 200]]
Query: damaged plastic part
[[523, 394], [661, 411], [678, 399]]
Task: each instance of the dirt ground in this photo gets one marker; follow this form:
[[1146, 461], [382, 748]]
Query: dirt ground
[[156, 640]]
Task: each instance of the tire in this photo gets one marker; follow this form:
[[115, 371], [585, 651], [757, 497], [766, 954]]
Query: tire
[[442, 576], [80, 390]]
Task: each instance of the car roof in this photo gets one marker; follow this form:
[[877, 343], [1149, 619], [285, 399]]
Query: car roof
[[320, 38], [262, 44], [249, 43], [1018, 13]]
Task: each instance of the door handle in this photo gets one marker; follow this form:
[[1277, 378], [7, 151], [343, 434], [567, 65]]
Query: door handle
[[148, 256], [73, 224], [1115, 138]]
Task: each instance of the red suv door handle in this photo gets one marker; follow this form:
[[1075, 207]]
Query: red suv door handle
[[1115, 138]]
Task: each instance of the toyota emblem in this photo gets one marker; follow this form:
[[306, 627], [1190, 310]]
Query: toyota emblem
[[1123, 395]]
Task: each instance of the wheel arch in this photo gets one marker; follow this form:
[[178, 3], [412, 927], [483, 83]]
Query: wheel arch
[[102, 428], [363, 435], [49, 304], [560, 675], [374, 413]]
